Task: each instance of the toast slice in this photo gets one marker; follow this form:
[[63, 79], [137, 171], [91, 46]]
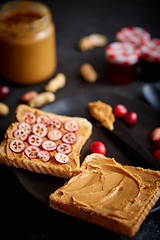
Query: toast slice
[[108, 194], [35, 137]]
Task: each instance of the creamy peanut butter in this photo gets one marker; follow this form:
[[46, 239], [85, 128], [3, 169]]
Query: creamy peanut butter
[[102, 112], [110, 189], [27, 42]]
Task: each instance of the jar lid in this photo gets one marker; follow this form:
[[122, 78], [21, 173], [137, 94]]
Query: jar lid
[[151, 51], [122, 53], [134, 35]]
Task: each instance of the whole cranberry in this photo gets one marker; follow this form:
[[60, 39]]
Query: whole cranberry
[[157, 144], [156, 154], [98, 147], [4, 91], [130, 118], [119, 111]]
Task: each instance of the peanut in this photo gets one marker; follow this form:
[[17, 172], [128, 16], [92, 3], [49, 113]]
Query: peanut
[[88, 73], [155, 135], [26, 97], [92, 41], [41, 99], [56, 83], [4, 109]]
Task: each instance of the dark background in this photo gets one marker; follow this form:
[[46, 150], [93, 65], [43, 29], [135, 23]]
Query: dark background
[[21, 215]]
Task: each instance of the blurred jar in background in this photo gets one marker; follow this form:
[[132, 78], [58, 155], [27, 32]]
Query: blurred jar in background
[[27, 42], [135, 35], [122, 62], [150, 63]]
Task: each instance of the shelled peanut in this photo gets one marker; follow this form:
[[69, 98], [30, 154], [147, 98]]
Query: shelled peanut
[[4, 109], [92, 41], [56, 83], [88, 73]]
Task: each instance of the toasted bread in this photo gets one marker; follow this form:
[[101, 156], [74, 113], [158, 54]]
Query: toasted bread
[[108, 194], [35, 163]]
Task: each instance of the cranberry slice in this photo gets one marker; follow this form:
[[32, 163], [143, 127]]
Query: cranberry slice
[[54, 134], [61, 158], [39, 130], [71, 126], [64, 148], [69, 137], [44, 119], [55, 123], [49, 145], [35, 140], [17, 145], [44, 155], [25, 126], [20, 134], [31, 152], [29, 117]]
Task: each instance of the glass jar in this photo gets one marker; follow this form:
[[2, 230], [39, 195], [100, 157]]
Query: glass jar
[[150, 63], [135, 35], [122, 62], [27, 42]]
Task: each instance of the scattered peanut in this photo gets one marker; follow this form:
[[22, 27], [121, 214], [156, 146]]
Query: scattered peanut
[[155, 135], [26, 97], [56, 83], [41, 99], [4, 109], [92, 41], [88, 73]]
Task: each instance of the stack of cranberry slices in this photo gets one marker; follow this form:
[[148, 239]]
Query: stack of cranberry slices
[[38, 136]]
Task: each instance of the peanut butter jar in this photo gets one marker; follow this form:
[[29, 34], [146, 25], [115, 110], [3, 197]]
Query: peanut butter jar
[[27, 42]]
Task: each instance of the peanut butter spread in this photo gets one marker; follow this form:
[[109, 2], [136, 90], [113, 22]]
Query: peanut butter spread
[[102, 112], [110, 189]]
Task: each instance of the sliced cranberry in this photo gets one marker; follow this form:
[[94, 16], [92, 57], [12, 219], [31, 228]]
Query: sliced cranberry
[[69, 137], [55, 123], [25, 126], [130, 118], [29, 117], [44, 119], [39, 130], [16, 145], [54, 134], [35, 140], [31, 152], [64, 148], [20, 134], [4, 91], [44, 155], [61, 158], [49, 145], [120, 111], [71, 126], [98, 147]]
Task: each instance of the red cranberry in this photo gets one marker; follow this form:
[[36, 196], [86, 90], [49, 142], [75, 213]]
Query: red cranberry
[[120, 110], [156, 154], [4, 91], [130, 118], [98, 147]]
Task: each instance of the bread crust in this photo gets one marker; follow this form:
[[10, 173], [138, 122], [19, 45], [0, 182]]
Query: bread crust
[[39, 166], [111, 222]]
